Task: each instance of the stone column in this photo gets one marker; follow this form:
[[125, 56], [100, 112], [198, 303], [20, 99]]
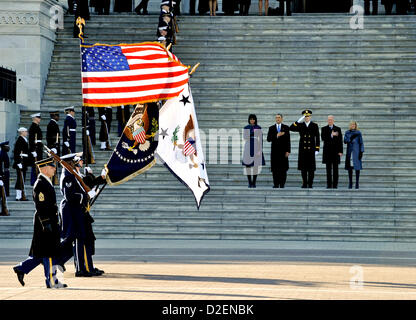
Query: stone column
[[27, 39]]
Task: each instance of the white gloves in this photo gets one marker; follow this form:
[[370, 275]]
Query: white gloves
[[20, 166], [88, 169], [316, 153], [87, 132], [92, 193], [103, 117], [301, 119], [66, 143], [54, 150], [103, 173], [1, 183], [34, 154]]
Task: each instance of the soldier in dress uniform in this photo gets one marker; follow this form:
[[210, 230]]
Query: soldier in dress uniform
[[35, 145], [45, 246], [106, 116], [123, 116], [333, 147], [21, 162], [53, 137], [74, 210], [309, 144], [91, 124], [279, 136], [69, 132], [5, 166]]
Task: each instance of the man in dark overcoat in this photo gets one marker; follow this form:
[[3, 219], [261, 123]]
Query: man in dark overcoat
[[331, 135], [279, 136], [309, 145]]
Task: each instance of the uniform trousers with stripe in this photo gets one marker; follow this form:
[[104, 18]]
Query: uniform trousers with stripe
[[49, 266], [81, 253]]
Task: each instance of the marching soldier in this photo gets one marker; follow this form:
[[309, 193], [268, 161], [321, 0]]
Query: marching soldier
[[35, 145], [123, 116], [5, 166], [21, 162], [53, 138], [309, 144], [74, 210], [45, 246], [106, 116], [69, 131]]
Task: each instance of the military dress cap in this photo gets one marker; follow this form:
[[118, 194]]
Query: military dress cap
[[5, 143], [55, 112], [78, 157], [71, 108], [69, 157], [45, 162], [21, 129], [36, 115], [307, 113]]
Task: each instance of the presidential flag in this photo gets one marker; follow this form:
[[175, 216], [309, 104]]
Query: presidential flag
[[135, 151], [179, 147], [114, 75]]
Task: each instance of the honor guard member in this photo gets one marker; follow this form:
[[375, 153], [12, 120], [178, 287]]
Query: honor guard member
[[74, 207], [123, 116], [331, 135], [69, 131], [309, 144], [45, 246], [35, 145], [21, 162], [5, 166], [91, 124], [53, 138], [106, 116]]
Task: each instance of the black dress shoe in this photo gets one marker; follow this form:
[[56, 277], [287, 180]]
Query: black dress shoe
[[83, 274], [98, 270], [20, 275]]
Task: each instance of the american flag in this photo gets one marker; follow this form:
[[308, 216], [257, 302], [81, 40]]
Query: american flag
[[140, 135], [188, 147], [114, 75]]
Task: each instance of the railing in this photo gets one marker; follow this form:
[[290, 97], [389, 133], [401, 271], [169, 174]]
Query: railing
[[7, 84]]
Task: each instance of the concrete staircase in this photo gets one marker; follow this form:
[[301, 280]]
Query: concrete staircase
[[264, 65]]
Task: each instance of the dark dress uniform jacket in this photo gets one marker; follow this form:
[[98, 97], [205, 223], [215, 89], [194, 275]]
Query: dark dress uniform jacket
[[309, 142], [280, 145], [73, 207], [45, 243], [21, 153], [52, 131], [69, 134], [332, 146], [35, 144]]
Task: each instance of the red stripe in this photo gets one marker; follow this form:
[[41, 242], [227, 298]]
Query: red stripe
[[148, 57], [130, 50], [135, 77], [136, 88], [105, 102]]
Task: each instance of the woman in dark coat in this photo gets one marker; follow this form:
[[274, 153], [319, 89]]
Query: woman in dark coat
[[355, 149], [253, 157]]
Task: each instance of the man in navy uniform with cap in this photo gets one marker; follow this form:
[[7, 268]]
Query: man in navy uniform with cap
[[69, 132], [74, 208], [309, 145], [35, 145], [21, 162], [45, 246], [5, 166]]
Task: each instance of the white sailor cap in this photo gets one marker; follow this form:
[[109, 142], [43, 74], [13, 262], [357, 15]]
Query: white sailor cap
[[21, 129], [35, 115], [71, 108]]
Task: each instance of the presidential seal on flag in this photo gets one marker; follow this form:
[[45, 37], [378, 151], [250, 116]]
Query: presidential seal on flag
[[135, 150]]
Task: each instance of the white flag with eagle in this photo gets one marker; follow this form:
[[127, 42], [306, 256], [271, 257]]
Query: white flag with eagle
[[179, 146]]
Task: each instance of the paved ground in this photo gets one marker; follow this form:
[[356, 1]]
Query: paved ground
[[227, 270]]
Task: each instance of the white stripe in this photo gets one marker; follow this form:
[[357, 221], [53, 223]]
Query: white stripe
[[130, 94], [134, 83], [147, 46], [133, 62], [109, 74], [143, 53]]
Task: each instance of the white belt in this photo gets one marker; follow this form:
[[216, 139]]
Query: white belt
[[72, 129], [38, 141], [23, 155]]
